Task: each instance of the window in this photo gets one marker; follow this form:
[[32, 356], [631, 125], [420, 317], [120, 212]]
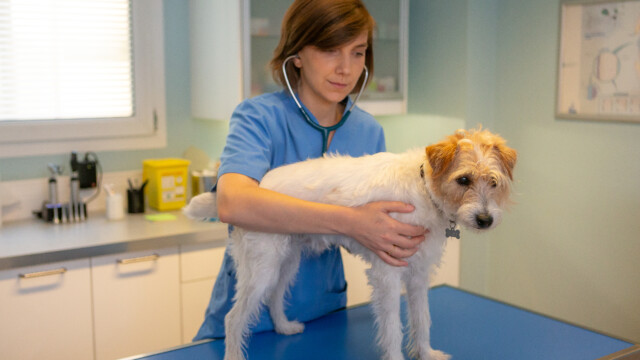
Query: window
[[80, 75]]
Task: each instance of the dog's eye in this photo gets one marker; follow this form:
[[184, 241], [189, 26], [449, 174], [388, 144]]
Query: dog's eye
[[463, 180], [494, 183]]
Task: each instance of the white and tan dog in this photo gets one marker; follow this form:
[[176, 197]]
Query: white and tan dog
[[463, 179]]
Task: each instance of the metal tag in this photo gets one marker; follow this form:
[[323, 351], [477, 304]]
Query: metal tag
[[452, 231]]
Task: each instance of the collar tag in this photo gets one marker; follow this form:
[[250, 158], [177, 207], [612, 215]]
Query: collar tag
[[452, 231]]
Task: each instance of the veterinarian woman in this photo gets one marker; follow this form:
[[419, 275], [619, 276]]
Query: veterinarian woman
[[332, 43]]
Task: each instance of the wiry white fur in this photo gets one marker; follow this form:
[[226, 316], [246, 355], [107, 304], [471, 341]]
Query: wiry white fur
[[268, 263]]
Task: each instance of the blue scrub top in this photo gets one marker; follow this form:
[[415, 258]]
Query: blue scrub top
[[266, 132]]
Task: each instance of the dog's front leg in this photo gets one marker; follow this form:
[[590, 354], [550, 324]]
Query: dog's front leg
[[420, 318], [385, 300]]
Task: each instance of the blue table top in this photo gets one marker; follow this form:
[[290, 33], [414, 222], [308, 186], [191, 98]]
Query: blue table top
[[465, 325]]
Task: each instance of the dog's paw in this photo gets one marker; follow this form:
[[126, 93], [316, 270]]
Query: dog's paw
[[289, 327], [230, 354], [201, 207], [436, 355], [427, 353]]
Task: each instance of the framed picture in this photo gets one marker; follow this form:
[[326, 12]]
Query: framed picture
[[599, 61]]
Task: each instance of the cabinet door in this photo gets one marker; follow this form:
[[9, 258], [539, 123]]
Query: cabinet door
[[136, 302], [195, 299], [45, 312], [200, 261], [199, 267]]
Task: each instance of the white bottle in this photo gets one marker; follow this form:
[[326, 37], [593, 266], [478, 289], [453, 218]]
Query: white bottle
[[115, 206]]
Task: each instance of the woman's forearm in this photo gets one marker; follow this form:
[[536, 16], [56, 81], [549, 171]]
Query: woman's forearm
[[243, 203]]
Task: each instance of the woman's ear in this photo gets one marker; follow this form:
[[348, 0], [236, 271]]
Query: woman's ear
[[296, 61]]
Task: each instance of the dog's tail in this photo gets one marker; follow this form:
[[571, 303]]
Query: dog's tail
[[202, 207]]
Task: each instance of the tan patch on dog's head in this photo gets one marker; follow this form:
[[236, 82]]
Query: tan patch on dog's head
[[441, 155]]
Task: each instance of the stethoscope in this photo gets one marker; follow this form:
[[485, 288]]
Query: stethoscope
[[324, 130]]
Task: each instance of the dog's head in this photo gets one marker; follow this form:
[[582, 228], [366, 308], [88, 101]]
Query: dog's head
[[471, 174]]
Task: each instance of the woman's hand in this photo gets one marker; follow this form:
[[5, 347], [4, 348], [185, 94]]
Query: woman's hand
[[387, 237]]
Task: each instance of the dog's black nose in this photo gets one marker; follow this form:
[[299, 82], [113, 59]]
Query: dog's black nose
[[484, 220]]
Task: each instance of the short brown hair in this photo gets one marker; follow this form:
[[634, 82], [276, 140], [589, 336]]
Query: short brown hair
[[325, 24]]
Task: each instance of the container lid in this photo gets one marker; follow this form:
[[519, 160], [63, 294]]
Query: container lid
[[163, 163]]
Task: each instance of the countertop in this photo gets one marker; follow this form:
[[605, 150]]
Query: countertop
[[33, 242]]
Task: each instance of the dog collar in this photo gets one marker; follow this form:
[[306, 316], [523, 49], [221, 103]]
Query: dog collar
[[451, 231]]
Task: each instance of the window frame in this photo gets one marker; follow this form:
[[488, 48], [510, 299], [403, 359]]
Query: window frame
[[145, 129]]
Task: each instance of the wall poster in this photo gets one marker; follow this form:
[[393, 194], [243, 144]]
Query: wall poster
[[599, 61]]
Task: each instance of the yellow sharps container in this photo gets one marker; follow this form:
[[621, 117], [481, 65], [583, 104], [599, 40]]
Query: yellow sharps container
[[167, 183]]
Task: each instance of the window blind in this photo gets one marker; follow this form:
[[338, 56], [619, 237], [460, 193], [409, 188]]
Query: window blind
[[65, 59]]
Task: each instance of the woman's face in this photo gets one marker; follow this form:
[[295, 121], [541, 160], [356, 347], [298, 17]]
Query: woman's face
[[328, 76]]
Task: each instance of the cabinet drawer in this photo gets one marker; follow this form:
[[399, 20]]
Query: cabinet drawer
[[136, 302], [200, 261], [46, 312]]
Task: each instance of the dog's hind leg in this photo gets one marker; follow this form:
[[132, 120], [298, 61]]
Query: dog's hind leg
[[276, 303], [258, 262], [420, 320], [385, 300]]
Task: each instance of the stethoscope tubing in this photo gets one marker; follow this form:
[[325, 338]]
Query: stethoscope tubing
[[324, 130]]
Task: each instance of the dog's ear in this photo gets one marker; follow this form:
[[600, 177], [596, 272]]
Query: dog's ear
[[507, 157], [441, 155]]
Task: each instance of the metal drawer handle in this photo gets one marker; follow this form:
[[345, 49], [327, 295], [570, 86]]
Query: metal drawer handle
[[134, 260], [43, 273]]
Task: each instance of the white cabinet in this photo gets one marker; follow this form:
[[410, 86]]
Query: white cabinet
[[199, 266], [45, 312], [136, 299], [233, 41]]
